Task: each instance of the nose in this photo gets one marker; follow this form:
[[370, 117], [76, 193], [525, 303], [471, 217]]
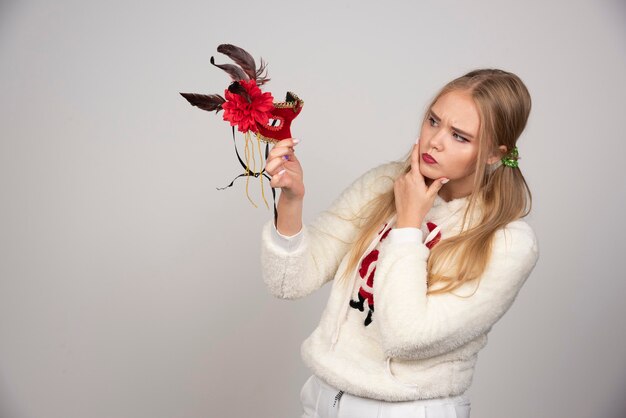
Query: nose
[[436, 141]]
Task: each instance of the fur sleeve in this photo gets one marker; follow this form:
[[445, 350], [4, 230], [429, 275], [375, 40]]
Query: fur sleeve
[[297, 273], [413, 325]]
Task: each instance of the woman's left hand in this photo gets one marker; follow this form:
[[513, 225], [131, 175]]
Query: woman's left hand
[[413, 197]]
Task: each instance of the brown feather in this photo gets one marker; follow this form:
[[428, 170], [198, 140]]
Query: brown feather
[[241, 58], [234, 71], [208, 102], [237, 88], [261, 74]]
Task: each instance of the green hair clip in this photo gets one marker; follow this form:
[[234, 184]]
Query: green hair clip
[[510, 159]]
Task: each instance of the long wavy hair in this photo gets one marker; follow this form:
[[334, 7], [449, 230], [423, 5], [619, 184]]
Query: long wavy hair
[[499, 195]]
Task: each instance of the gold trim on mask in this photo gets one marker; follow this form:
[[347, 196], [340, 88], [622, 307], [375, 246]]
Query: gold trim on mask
[[292, 101]]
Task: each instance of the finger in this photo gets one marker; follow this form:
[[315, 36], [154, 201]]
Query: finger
[[281, 156], [277, 179], [279, 151], [289, 142], [415, 155], [293, 141], [415, 164], [282, 179], [285, 143], [275, 164], [436, 186]]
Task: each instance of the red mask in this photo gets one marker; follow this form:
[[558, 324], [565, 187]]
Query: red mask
[[245, 105], [279, 125]]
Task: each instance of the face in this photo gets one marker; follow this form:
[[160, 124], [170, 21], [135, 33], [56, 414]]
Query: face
[[449, 142]]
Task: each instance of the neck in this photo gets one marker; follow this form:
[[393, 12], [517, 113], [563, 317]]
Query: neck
[[448, 194], [451, 190]]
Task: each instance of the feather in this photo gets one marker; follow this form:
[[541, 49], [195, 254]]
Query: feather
[[260, 77], [241, 58], [208, 102], [237, 88], [235, 72]]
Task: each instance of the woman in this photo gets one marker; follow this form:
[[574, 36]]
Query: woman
[[426, 255]]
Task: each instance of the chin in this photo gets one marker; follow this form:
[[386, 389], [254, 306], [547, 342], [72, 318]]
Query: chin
[[429, 173]]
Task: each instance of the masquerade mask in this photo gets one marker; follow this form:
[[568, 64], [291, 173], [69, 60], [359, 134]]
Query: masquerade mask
[[249, 109], [279, 125]]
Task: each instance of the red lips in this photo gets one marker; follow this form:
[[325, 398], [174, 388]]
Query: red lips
[[428, 159]]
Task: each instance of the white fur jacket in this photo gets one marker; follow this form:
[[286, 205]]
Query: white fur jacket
[[410, 345]]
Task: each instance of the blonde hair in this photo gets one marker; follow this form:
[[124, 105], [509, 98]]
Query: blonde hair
[[498, 197]]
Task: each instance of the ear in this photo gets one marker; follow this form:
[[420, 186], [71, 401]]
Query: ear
[[501, 152]]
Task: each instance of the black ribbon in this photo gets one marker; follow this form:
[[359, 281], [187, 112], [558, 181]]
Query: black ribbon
[[253, 174]]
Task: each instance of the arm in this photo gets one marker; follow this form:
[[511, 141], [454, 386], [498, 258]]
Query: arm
[[297, 266], [414, 325]]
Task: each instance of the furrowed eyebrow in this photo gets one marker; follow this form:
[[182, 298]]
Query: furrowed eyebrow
[[438, 119], [434, 115]]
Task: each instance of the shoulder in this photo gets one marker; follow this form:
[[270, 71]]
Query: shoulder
[[380, 178], [364, 188], [513, 257], [516, 241]]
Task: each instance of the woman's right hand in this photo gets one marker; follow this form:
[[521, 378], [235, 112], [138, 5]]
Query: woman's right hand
[[285, 169]]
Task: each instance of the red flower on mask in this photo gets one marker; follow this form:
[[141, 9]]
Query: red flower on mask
[[244, 113]]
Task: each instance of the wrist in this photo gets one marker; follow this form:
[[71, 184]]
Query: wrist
[[289, 220], [290, 199], [401, 223]]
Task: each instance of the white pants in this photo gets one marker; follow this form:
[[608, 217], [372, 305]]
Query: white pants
[[319, 400]]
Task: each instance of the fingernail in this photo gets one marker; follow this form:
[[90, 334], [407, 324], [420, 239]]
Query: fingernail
[[444, 181], [285, 157], [417, 141], [280, 173], [295, 141]]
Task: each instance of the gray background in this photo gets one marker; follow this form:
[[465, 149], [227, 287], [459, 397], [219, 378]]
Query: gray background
[[130, 286]]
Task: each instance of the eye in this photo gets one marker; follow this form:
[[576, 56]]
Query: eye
[[459, 137], [432, 121]]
